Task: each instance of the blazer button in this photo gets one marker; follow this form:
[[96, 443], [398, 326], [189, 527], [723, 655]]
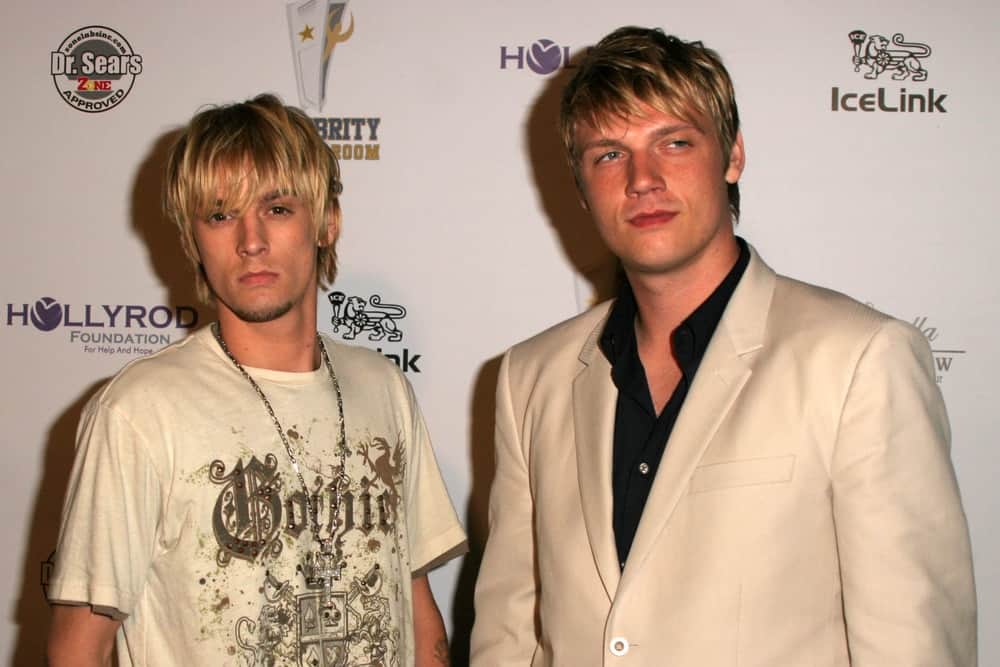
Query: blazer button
[[618, 646]]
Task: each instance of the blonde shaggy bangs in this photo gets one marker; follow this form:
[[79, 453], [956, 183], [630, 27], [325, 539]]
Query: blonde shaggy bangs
[[632, 67], [228, 156]]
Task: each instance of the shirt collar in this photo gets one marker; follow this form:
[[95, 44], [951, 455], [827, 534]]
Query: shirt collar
[[690, 339]]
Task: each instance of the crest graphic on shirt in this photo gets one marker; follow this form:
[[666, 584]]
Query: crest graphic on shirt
[[323, 631], [265, 639], [358, 625], [375, 631]]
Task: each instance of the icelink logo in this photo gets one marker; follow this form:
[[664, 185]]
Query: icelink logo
[[874, 56], [542, 57], [355, 315], [91, 325], [94, 68], [315, 27]]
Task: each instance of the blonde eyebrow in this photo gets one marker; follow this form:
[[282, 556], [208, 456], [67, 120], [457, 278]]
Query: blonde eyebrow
[[274, 194], [672, 129]]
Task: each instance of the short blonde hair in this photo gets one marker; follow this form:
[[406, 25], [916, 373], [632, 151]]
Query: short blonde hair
[[232, 152], [635, 66]]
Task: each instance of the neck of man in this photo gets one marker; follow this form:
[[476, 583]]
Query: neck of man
[[287, 343], [665, 299]]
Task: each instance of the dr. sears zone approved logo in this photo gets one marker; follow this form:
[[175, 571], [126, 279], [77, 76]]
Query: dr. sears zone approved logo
[[375, 321], [877, 58], [94, 68]]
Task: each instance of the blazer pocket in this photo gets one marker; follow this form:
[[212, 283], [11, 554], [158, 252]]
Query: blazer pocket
[[746, 472]]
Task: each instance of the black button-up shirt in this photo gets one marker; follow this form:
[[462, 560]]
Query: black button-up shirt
[[640, 434]]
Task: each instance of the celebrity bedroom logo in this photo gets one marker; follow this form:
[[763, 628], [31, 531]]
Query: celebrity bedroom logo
[[94, 68], [876, 58], [99, 328], [315, 28], [542, 57], [376, 321]]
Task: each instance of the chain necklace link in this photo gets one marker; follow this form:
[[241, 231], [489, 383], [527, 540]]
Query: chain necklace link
[[324, 566]]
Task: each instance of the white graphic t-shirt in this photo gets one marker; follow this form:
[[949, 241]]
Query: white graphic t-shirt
[[185, 516]]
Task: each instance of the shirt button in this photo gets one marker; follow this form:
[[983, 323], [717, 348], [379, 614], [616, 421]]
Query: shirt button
[[618, 646], [643, 468], [683, 340]]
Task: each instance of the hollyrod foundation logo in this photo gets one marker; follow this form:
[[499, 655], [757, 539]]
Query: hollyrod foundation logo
[[315, 27], [98, 327], [874, 56], [94, 68], [542, 57], [377, 321]]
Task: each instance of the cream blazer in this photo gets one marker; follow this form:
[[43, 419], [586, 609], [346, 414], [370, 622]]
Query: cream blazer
[[805, 513]]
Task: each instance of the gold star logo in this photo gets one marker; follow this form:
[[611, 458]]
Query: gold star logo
[[307, 33]]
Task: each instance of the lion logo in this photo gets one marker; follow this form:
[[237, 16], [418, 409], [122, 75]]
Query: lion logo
[[357, 316], [874, 53]]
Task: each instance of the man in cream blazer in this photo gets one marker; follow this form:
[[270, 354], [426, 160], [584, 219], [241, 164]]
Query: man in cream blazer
[[724, 467]]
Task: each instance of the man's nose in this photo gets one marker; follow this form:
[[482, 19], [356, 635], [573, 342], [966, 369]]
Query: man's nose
[[644, 174], [253, 235]]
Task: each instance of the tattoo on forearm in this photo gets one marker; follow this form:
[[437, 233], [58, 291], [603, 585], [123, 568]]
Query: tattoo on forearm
[[441, 651]]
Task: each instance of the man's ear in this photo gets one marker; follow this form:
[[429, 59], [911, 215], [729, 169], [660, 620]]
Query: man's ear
[[329, 235], [737, 160]]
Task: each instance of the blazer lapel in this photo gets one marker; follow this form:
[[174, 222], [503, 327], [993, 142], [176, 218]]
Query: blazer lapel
[[721, 376], [594, 400]]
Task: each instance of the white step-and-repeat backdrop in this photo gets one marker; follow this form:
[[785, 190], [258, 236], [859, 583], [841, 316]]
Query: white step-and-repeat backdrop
[[461, 222]]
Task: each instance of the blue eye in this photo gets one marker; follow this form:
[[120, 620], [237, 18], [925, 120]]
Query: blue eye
[[607, 157]]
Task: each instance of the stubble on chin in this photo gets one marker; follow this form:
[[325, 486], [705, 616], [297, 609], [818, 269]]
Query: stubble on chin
[[256, 315], [262, 315]]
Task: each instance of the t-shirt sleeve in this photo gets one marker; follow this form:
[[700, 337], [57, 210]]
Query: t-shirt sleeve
[[110, 517], [434, 533]]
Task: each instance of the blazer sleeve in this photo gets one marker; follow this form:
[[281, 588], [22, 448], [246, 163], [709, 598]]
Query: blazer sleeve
[[504, 633], [905, 557]]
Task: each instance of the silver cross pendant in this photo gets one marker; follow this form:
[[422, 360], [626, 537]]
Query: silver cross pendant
[[321, 569]]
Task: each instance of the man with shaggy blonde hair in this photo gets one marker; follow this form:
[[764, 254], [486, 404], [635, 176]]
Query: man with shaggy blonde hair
[[723, 466], [256, 494], [238, 152]]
